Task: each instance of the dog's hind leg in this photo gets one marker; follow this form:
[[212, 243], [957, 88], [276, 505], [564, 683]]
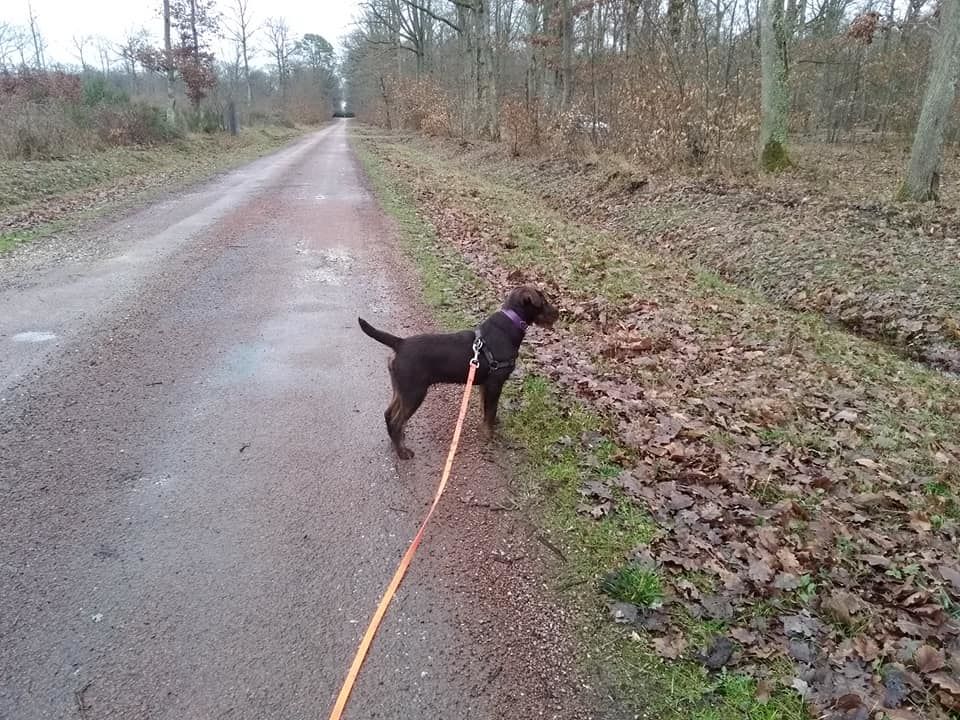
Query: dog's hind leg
[[401, 409], [406, 401]]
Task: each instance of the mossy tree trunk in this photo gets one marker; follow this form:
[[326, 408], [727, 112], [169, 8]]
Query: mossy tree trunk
[[774, 98], [922, 182]]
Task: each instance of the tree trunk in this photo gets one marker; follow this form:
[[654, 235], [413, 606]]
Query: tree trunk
[[675, 12], [533, 59], [468, 69], [386, 102], [791, 20], [550, 55], [232, 124], [246, 72], [922, 182], [168, 59], [566, 56], [193, 30], [631, 12], [774, 98], [488, 125], [37, 41]]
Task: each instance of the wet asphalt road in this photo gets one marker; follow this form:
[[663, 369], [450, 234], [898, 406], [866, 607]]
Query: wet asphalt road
[[199, 509]]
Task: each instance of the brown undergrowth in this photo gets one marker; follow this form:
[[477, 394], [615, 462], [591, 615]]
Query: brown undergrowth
[[824, 238]]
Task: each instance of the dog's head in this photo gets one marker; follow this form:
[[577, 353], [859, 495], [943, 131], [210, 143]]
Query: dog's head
[[532, 305]]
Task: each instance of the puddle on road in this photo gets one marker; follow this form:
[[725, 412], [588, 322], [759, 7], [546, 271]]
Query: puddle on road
[[334, 265], [337, 256], [34, 336], [325, 275], [242, 363]]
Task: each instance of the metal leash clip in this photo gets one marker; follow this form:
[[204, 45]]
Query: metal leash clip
[[477, 346]]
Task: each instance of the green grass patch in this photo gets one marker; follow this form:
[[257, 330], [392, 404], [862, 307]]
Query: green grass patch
[[9, 240], [636, 585]]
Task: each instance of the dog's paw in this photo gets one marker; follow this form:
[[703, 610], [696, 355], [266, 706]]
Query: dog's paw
[[405, 453]]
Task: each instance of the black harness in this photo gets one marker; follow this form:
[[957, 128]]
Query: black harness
[[494, 365], [479, 346]]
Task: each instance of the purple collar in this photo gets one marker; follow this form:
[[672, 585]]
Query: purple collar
[[515, 319]]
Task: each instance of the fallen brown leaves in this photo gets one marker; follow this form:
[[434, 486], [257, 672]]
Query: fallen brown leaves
[[39, 213], [796, 486], [887, 271]]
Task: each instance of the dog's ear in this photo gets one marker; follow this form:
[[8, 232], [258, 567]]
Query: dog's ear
[[530, 296]]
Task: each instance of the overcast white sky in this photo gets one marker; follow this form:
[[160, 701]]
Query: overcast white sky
[[60, 20]]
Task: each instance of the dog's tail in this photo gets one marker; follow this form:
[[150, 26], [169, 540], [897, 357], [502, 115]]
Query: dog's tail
[[391, 341]]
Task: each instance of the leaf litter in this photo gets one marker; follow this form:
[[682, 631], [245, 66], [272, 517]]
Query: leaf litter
[[888, 271], [816, 491]]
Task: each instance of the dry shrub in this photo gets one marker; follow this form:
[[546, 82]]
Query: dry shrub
[[307, 110], [34, 115], [422, 105], [305, 101], [40, 130], [655, 119], [519, 124], [32, 86], [136, 124], [44, 116]]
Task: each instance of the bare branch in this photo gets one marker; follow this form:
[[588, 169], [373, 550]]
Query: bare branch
[[438, 18]]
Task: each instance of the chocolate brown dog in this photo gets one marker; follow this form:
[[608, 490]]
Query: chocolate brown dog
[[425, 360]]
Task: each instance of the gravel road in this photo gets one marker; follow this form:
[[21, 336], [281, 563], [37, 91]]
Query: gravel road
[[199, 506]]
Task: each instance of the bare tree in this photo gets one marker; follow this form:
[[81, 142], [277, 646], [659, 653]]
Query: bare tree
[[240, 29], [923, 172], [280, 49], [80, 43], [12, 41], [402, 25], [488, 123], [473, 27], [38, 44], [130, 51], [105, 51], [567, 42]]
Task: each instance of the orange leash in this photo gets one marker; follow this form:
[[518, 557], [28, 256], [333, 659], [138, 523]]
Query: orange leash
[[408, 556]]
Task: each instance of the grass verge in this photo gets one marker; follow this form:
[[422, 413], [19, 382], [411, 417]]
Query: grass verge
[[449, 286], [42, 197], [566, 444]]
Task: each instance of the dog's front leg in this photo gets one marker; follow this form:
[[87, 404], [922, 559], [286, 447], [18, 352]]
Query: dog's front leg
[[491, 398]]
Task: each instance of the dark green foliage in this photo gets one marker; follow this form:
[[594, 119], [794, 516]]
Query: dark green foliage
[[774, 157], [98, 91]]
